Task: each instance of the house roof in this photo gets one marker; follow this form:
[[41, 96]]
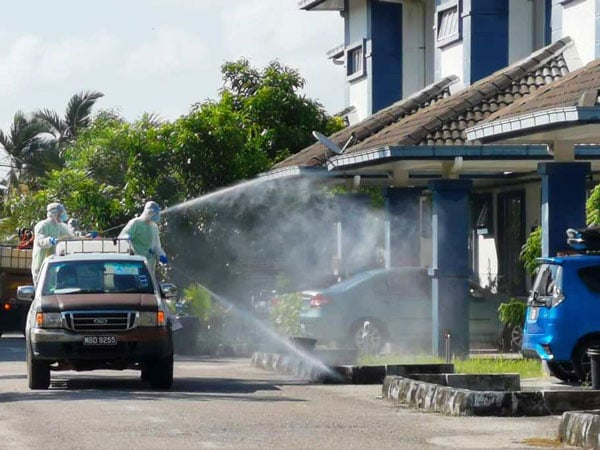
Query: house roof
[[317, 154], [445, 122], [574, 98], [433, 117]]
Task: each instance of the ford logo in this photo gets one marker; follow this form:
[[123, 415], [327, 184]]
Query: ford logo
[[100, 321]]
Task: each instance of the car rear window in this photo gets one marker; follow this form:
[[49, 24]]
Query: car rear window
[[590, 277], [549, 278], [110, 276]]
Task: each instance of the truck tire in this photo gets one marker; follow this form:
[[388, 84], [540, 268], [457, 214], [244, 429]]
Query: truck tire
[[38, 372], [160, 373]]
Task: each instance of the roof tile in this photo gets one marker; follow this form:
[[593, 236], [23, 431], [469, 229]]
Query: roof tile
[[438, 118]]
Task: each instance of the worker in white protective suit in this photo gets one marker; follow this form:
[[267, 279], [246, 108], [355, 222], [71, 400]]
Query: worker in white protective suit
[[142, 231], [46, 234]]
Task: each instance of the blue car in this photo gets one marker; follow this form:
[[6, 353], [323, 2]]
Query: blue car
[[387, 305], [563, 315]]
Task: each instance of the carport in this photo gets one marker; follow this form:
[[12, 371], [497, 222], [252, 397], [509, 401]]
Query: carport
[[536, 120]]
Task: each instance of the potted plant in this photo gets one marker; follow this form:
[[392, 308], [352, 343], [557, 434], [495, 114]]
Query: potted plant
[[512, 315], [201, 319], [285, 317]]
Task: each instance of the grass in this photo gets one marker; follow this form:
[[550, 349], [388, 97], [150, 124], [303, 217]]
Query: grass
[[526, 368]]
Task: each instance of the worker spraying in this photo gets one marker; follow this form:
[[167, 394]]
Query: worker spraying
[[46, 234], [142, 232]]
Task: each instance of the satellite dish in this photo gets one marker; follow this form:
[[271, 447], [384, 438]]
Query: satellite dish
[[327, 142]]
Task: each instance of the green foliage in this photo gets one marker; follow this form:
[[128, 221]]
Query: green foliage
[[285, 314], [531, 250], [533, 246], [197, 302], [526, 368], [512, 313], [592, 206]]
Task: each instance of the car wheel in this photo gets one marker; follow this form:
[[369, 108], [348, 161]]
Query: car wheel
[[562, 371], [581, 360], [368, 336], [512, 338], [161, 373], [38, 372]]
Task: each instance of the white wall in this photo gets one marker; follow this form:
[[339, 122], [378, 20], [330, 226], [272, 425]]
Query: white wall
[[520, 29], [359, 97], [451, 60], [358, 29], [578, 22], [413, 43], [358, 24]]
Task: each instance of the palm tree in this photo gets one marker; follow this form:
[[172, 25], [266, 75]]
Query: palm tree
[[78, 115], [27, 149]]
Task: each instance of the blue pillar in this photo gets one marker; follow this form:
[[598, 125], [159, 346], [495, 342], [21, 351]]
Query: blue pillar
[[386, 54], [402, 208], [563, 202], [450, 267], [485, 38]]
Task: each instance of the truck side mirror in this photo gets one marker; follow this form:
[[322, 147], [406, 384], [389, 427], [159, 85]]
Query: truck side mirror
[[168, 290], [25, 293]]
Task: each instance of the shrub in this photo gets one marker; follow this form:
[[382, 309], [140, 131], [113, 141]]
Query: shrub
[[512, 313], [532, 250], [285, 314]]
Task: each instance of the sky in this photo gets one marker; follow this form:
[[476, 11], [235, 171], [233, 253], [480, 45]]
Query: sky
[[156, 56]]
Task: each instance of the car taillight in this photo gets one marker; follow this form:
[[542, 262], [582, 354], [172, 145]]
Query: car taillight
[[7, 306], [319, 300]]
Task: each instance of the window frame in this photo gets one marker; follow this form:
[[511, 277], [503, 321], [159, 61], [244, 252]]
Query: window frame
[[348, 52], [439, 13]]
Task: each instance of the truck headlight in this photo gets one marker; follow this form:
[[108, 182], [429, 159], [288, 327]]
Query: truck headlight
[[48, 320], [152, 319]]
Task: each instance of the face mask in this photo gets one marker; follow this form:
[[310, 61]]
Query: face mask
[[63, 217], [155, 218]]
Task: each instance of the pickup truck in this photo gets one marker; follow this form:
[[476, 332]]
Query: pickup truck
[[98, 307]]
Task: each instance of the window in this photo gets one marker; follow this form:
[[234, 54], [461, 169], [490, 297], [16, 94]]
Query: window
[[549, 278], [448, 23], [591, 278], [115, 276], [355, 61], [482, 220]]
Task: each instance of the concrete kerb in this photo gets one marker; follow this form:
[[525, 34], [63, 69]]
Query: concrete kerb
[[447, 393], [580, 428]]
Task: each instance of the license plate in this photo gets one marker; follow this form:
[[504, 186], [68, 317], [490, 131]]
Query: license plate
[[99, 340]]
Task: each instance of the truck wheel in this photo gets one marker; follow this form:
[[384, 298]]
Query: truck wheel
[[38, 372], [161, 373]]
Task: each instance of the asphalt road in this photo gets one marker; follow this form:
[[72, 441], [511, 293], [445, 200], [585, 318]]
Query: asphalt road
[[226, 403]]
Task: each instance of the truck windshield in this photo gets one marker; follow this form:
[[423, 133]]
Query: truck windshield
[[83, 277]]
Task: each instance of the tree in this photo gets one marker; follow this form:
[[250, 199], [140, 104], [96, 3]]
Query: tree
[[77, 116], [269, 99], [29, 152]]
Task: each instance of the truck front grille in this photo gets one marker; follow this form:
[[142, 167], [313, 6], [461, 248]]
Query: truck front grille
[[100, 320]]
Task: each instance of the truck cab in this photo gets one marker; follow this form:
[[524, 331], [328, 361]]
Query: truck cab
[[97, 306]]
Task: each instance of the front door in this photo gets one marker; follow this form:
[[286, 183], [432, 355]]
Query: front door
[[511, 237]]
